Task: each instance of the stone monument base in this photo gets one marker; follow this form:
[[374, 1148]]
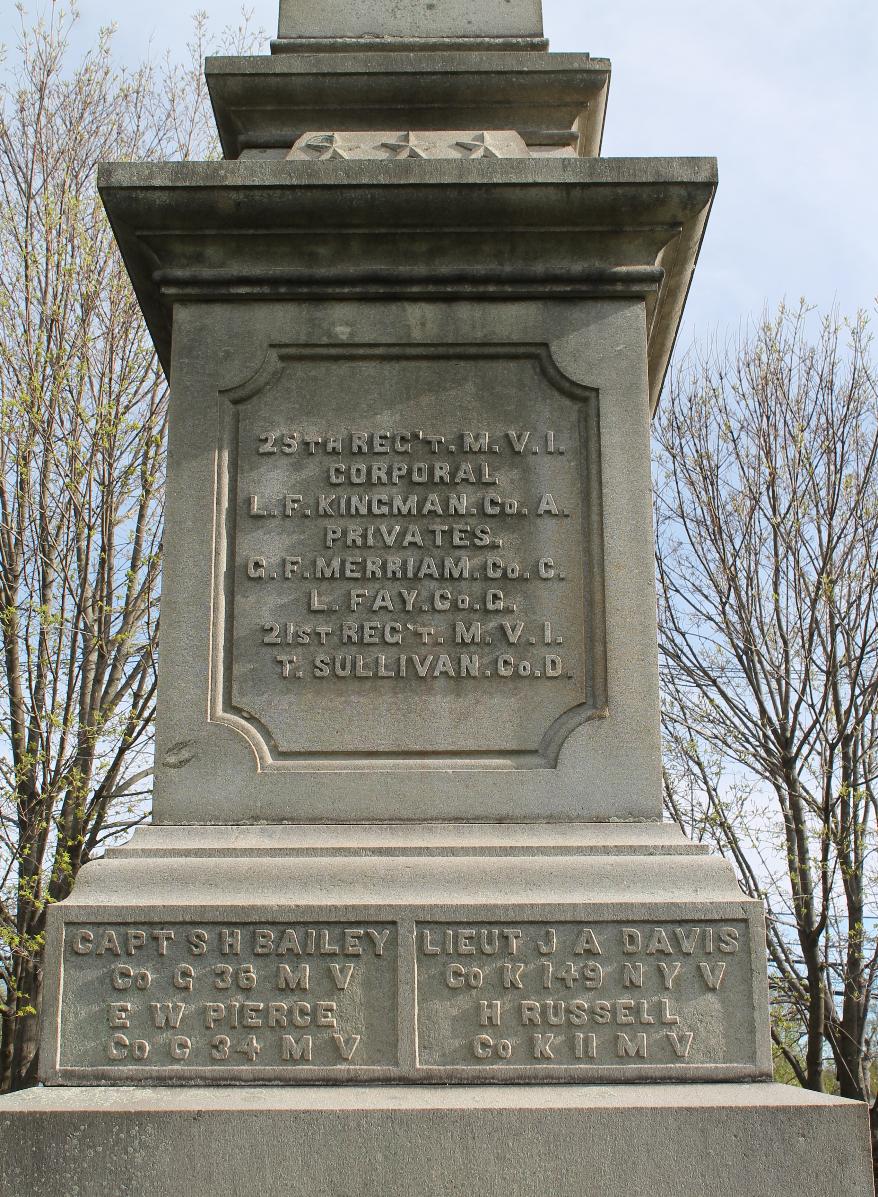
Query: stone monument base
[[405, 954], [543, 1141]]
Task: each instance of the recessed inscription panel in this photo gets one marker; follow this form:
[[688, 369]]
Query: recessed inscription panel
[[229, 999], [404, 1000], [422, 581], [584, 995]]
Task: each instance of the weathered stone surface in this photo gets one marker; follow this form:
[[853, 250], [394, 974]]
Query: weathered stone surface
[[505, 292], [410, 18], [591, 954], [424, 730], [592, 998], [446, 560], [395, 145], [665, 1140], [263, 104], [427, 230], [575, 995]]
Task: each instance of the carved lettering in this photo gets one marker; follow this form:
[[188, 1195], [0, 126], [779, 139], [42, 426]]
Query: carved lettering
[[457, 555], [235, 1000], [568, 995], [230, 998]]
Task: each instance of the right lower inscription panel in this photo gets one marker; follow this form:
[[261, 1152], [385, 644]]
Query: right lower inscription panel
[[586, 996]]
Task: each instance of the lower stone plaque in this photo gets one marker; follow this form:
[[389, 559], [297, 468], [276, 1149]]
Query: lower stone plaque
[[229, 999], [575, 996], [403, 998]]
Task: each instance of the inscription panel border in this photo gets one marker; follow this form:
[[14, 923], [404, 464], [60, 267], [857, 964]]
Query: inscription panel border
[[222, 710], [755, 1063]]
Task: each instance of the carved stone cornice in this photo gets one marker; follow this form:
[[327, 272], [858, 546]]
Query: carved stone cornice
[[263, 104], [511, 228]]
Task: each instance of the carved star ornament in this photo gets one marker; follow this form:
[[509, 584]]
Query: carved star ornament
[[404, 147], [479, 147], [324, 147]]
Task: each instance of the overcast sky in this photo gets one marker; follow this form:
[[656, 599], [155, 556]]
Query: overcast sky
[[783, 92]]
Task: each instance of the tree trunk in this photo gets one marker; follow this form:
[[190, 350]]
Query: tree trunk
[[25, 1029], [7, 1029], [848, 1050]]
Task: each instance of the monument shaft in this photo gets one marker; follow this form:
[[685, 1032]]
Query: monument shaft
[[407, 864]]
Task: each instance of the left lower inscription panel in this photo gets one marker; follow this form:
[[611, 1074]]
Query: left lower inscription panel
[[229, 999]]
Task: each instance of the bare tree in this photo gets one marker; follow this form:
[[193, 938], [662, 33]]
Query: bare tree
[[767, 528], [82, 420]]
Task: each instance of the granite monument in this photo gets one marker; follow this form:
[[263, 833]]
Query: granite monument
[[407, 918]]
